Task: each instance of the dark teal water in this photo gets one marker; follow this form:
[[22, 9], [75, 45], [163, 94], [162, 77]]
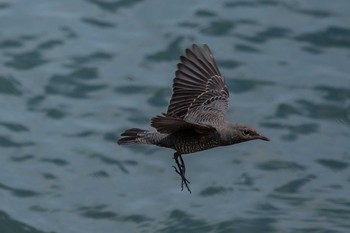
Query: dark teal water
[[75, 74]]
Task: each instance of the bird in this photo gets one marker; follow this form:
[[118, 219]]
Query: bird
[[195, 118]]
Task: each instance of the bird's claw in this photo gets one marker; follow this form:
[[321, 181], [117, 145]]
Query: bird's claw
[[182, 176], [180, 169]]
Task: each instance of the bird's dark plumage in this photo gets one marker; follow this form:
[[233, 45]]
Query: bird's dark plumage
[[194, 120], [199, 94]]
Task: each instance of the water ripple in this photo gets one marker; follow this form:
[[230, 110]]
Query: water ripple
[[19, 192], [336, 37], [9, 224], [73, 84], [26, 60], [98, 23], [114, 5], [171, 53], [6, 141], [333, 164]]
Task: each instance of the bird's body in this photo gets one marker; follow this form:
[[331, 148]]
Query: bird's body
[[185, 141], [195, 117]]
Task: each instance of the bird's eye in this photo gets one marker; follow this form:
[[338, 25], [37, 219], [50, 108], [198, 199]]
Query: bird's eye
[[245, 132]]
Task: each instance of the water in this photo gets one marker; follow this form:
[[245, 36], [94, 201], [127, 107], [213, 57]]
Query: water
[[75, 74]]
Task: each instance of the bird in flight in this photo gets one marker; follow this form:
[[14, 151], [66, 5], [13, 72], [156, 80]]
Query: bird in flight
[[195, 119]]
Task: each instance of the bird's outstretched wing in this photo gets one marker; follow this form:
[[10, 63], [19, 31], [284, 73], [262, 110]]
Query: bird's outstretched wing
[[199, 94]]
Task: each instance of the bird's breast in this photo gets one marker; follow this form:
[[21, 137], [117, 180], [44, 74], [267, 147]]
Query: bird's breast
[[186, 143]]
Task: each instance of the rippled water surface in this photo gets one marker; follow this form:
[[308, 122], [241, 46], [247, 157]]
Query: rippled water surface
[[75, 74]]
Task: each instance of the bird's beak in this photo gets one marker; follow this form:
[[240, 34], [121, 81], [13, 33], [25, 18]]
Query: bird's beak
[[263, 138]]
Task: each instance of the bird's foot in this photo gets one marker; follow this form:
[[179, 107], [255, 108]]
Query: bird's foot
[[181, 169], [184, 180]]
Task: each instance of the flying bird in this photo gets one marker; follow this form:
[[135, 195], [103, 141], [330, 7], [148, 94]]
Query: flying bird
[[195, 119]]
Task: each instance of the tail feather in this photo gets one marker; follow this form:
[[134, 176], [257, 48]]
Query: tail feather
[[132, 136]]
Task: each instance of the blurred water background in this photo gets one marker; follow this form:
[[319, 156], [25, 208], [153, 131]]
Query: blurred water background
[[75, 74]]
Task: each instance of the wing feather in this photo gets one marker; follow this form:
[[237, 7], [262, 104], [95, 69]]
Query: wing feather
[[200, 95]]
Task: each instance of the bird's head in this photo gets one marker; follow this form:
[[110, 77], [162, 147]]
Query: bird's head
[[242, 133]]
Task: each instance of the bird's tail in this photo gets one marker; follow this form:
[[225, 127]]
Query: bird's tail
[[134, 136]]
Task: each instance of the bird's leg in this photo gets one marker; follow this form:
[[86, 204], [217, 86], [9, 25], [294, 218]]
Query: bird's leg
[[181, 169]]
